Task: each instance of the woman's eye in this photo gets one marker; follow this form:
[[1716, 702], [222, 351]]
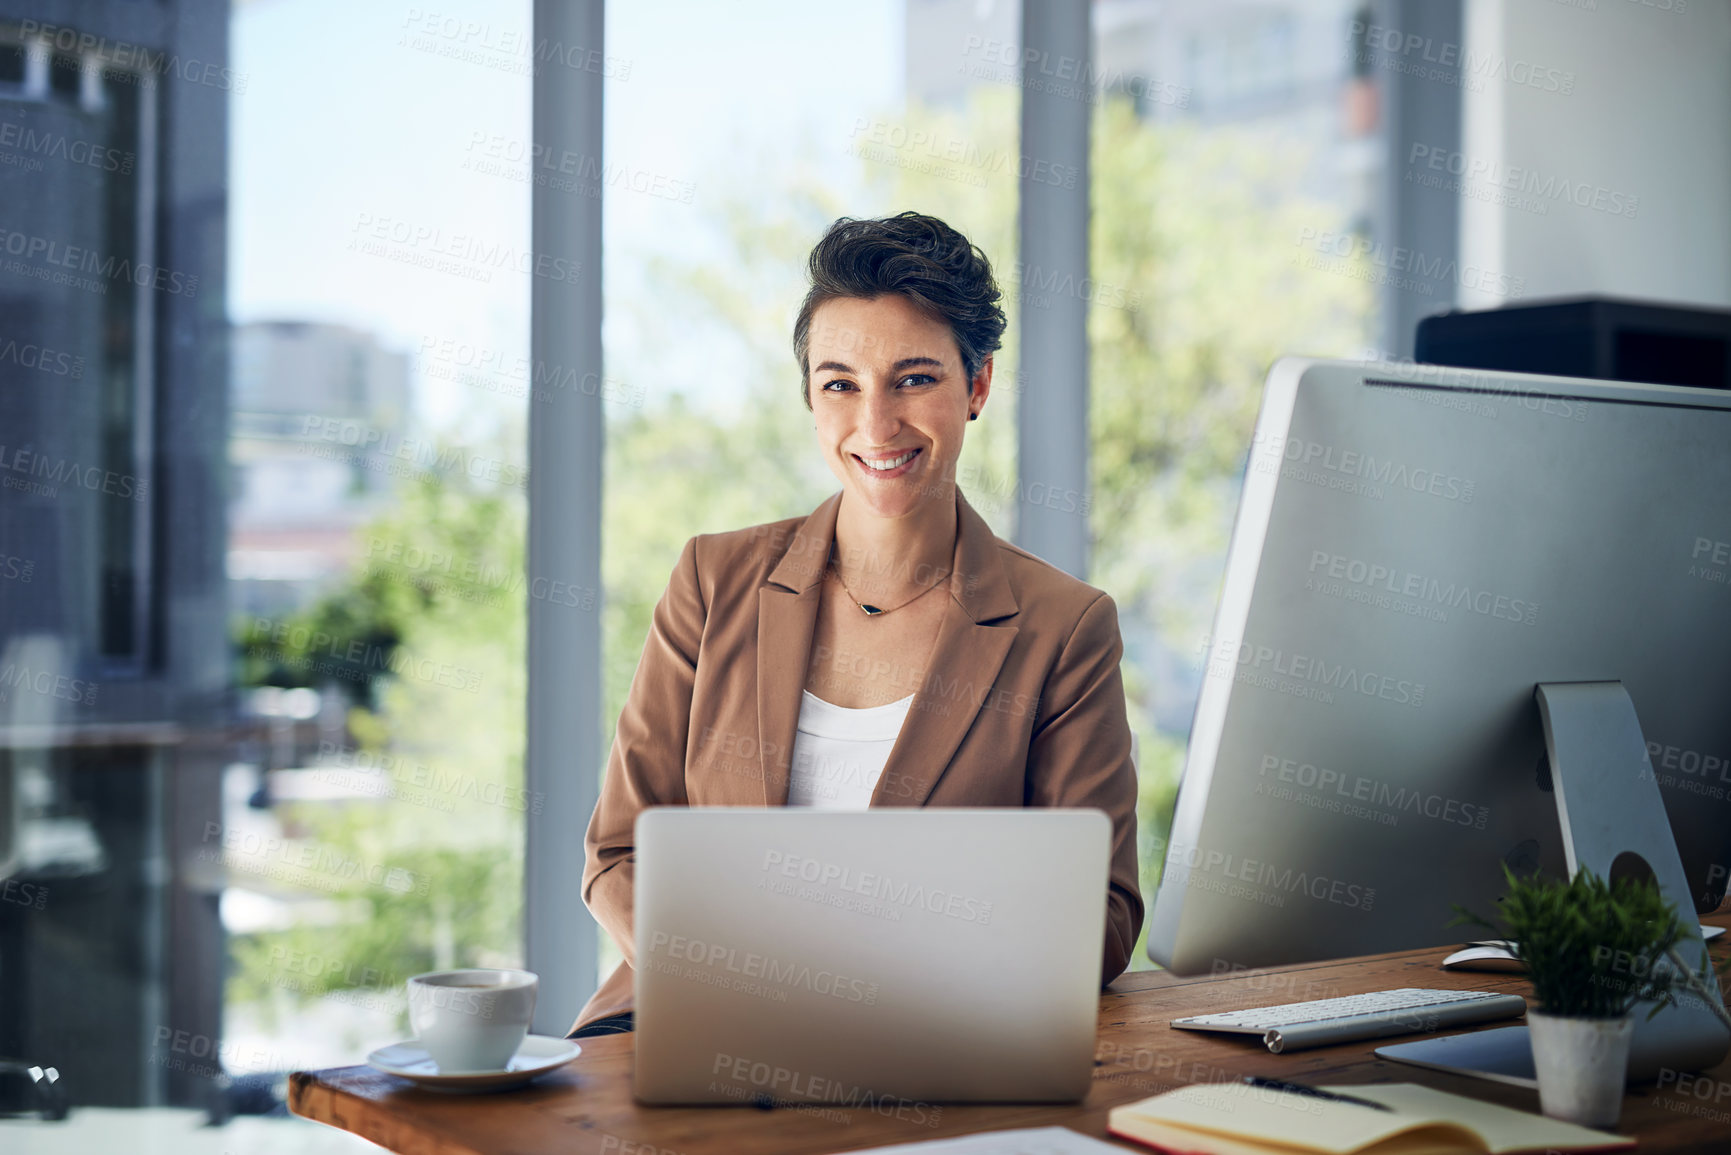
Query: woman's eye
[[828, 386], [918, 379]]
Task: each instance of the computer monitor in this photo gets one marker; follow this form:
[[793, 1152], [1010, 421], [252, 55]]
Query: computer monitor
[[1417, 549]]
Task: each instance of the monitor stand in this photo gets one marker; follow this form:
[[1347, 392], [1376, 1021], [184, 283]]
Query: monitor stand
[[1609, 805]]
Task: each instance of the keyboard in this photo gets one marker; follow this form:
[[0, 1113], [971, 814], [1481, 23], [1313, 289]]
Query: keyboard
[[1376, 1015]]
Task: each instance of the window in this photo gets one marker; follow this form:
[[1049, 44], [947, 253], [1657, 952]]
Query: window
[[1203, 199], [262, 505]]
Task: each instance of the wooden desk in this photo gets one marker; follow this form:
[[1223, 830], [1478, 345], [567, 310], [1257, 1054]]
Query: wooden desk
[[587, 1106]]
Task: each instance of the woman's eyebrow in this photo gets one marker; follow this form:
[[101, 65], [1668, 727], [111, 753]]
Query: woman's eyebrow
[[904, 363]]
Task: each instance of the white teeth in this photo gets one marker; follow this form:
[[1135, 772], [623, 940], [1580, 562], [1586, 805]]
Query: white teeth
[[899, 461]]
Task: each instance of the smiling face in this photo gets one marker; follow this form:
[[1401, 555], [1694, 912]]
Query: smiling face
[[887, 381]]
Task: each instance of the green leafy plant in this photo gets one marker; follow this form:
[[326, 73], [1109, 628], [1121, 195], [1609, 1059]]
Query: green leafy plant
[[1592, 949]]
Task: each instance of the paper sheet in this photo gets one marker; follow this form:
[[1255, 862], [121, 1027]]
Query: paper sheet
[[1022, 1141]]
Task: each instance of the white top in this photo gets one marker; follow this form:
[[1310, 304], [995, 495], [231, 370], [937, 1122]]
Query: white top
[[839, 752]]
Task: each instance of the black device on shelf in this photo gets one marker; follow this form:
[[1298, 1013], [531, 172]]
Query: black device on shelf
[[1601, 337]]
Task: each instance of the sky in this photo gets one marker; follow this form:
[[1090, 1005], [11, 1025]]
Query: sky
[[376, 154]]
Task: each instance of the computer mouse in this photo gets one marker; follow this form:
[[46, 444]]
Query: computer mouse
[[1484, 957], [1494, 955]]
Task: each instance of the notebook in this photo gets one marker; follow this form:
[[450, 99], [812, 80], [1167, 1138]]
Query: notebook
[[1239, 1119]]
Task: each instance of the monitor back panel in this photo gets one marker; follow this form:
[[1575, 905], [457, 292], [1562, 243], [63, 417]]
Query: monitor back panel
[[1413, 552], [883, 959]]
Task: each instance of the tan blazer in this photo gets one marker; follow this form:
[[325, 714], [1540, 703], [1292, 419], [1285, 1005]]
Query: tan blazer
[[1022, 705]]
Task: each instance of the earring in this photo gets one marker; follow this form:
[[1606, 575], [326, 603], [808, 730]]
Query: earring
[[973, 417]]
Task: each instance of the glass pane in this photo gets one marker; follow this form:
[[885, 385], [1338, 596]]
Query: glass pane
[[731, 149], [263, 286], [1224, 137]]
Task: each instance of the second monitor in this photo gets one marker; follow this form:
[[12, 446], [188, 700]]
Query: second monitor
[[1416, 550]]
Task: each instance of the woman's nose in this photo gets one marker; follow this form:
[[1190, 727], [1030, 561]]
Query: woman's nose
[[881, 420]]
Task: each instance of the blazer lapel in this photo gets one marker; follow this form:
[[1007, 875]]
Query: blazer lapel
[[785, 624], [966, 656], [786, 621]]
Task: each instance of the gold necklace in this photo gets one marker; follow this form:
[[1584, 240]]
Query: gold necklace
[[871, 610]]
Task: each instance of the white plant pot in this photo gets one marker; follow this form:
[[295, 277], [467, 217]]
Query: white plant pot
[[1582, 1065]]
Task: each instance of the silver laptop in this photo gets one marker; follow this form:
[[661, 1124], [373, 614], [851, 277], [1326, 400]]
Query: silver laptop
[[877, 959]]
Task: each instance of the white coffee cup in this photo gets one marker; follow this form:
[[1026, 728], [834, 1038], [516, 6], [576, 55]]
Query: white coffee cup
[[471, 1020]]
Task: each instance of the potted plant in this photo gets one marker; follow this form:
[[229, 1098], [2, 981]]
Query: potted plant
[[1592, 951]]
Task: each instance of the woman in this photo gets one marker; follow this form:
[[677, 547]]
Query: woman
[[887, 649]]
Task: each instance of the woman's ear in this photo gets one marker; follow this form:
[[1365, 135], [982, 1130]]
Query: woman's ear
[[978, 389]]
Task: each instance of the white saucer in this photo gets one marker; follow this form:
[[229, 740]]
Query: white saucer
[[538, 1055]]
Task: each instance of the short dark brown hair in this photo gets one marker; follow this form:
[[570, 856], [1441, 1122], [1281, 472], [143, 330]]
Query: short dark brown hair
[[917, 256]]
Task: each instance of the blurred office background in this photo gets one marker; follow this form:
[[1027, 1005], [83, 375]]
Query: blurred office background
[[268, 379]]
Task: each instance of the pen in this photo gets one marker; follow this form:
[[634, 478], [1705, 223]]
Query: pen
[[1313, 1092]]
